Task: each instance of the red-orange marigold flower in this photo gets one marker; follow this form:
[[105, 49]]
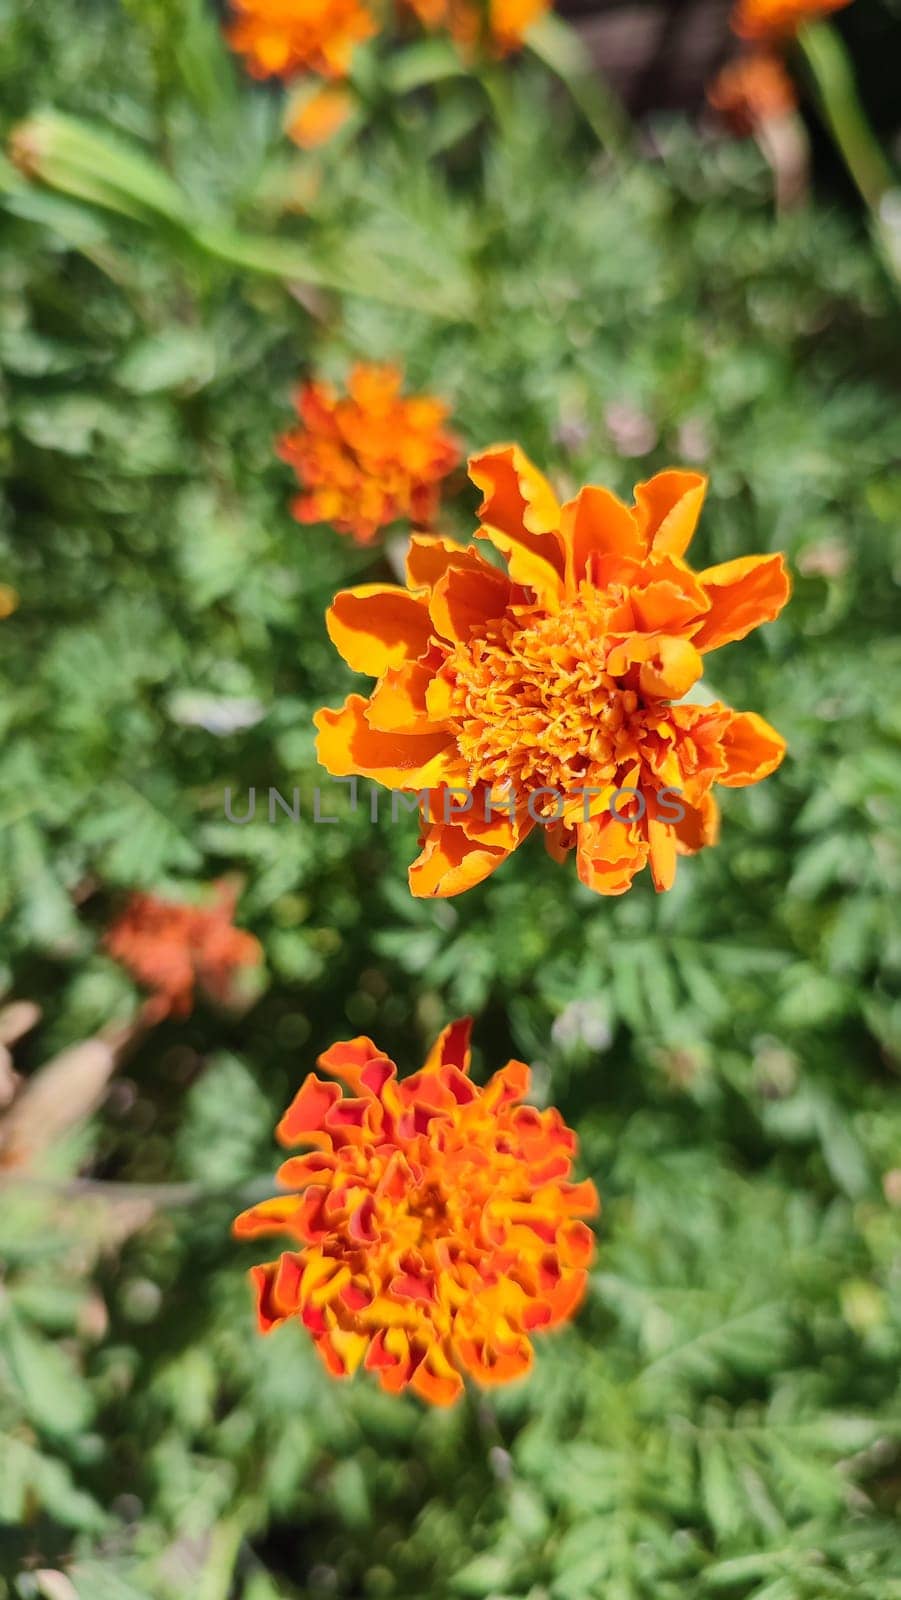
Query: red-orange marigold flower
[[169, 945], [752, 90], [543, 690], [773, 19], [280, 38], [433, 1227], [370, 458], [499, 26]]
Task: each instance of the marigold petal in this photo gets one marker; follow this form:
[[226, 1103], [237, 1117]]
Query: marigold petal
[[520, 514], [269, 1216], [377, 626], [304, 1120], [597, 522], [347, 745], [699, 827], [398, 702], [667, 509], [609, 854], [463, 601], [451, 862], [436, 1379], [753, 750], [451, 1048], [661, 853], [429, 557], [359, 1063], [669, 665], [742, 594]]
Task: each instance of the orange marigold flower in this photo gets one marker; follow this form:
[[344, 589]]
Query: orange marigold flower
[[320, 116], [752, 90], [280, 38], [8, 600], [499, 26], [771, 19], [433, 1227], [370, 458], [540, 693], [169, 945]]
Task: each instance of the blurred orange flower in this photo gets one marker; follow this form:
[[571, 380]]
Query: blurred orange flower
[[371, 458], [768, 19], [536, 694], [168, 945], [280, 38], [320, 116], [752, 90], [432, 1226], [500, 25]]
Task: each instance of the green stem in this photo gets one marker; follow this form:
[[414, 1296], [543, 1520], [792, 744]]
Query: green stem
[[560, 48], [833, 76]]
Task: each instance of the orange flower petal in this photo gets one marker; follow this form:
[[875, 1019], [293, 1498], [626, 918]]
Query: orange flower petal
[[398, 703], [742, 594], [451, 1048], [449, 863], [753, 750], [347, 745], [669, 665], [270, 1216], [463, 601], [429, 557], [597, 522], [609, 854], [667, 509], [520, 514], [378, 626]]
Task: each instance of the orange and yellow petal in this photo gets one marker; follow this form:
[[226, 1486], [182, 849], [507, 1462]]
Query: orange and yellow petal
[[347, 745], [742, 595], [520, 514]]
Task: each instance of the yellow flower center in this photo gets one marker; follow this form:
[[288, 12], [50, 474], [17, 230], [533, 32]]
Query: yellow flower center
[[534, 705]]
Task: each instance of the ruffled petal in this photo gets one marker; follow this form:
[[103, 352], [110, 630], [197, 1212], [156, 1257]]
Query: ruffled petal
[[347, 745], [668, 665], [752, 748], [596, 522], [429, 557], [609, 854], [520, 514], [667, 509], [742, 595], [463, 601], [450, 862], [398, 703], [451, 1048], [378, 626]]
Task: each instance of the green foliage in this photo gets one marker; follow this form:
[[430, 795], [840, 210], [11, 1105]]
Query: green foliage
[[723, 1418]]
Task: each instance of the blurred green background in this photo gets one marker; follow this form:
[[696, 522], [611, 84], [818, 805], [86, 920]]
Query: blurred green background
[[722, 1418]]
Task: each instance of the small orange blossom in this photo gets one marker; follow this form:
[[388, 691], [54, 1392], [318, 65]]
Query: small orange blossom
[[370, 458], [320, 116], [752, 90], [499, 26], [543, 690], [432, 1227], [279, 38], [169, 945], [769, 19]]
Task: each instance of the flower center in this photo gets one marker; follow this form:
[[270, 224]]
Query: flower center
[[533, 704]]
